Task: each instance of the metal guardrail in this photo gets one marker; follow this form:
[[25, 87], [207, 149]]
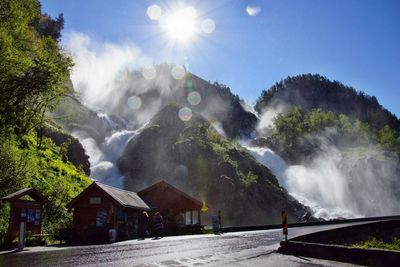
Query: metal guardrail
[[291, 225]]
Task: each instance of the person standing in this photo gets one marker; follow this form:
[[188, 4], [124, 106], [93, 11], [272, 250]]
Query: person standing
[[220, 222], [158, 225], [143, 222]]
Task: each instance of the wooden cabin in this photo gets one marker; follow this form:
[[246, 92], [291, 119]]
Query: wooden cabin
[[26, 206], [180, 211], [101, 207]]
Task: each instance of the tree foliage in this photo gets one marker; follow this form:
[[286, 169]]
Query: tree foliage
[[23, 165], [33, 69], [296, 133], [33, 78]]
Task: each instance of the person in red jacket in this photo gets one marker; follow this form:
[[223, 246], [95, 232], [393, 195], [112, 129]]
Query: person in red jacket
[[158, 225]]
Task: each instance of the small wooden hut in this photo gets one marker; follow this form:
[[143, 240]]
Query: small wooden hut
[[101, 207], [26, 205], [179, 210]]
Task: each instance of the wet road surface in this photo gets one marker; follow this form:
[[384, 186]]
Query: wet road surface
[[253, 248]]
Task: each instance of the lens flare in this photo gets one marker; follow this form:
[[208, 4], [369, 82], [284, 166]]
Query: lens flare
[[154, 12], [189, 86], [181, 171], [149, 73], [204, 207], [134, 102], [185, 114], [253, 10], [208, 26], [178, 72], [194, 98]]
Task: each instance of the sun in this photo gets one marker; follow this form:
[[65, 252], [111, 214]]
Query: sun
[[180, 25]]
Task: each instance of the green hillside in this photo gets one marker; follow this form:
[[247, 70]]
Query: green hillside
[[34, 75], [317, 92]]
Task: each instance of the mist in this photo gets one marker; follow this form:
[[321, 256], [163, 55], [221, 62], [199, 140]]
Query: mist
[[120, 80], [122, 85], [96, 65], [337, 181]]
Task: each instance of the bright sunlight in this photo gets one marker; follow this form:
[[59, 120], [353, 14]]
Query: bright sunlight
[[181, 24]]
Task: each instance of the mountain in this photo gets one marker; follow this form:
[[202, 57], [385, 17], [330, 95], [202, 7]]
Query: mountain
[[337, 148], [136, 98], [185, 131], [317, 92], [193, 156]]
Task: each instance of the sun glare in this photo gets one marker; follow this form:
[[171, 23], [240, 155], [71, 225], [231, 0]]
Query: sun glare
[[181, 24]]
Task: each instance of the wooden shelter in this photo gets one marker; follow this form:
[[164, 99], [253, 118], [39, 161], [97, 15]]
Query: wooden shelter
[[179, 210], [101, 207], [26, 205]]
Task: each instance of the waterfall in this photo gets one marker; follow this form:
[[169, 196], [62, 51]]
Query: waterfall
[[338, 184], [103, 156]]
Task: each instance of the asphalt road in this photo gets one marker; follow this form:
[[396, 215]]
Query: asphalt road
[[253, 248]]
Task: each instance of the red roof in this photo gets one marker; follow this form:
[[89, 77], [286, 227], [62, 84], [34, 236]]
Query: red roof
[[122, 197], [32, 192], [176, 190]]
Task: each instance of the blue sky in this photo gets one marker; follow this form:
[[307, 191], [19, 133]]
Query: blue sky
[[353, 41]]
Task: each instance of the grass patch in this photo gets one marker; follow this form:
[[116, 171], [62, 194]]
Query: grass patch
[[375, 243]]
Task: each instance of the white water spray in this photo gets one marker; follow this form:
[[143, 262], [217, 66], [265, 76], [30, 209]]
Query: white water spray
[[338, 185], [103, 157]]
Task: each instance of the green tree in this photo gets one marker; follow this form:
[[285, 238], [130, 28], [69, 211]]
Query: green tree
[[344, 124], [289, 128], [387, 137], [316, 119], [33, 69], [14, 167], [34, 74]]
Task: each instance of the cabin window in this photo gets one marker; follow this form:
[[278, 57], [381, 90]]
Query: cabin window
[[23, 213], [101, 218], [188, 217], [95, 200], [180, 219], [195, 216]]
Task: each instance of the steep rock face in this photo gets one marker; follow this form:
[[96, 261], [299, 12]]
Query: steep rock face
[[213, 101], [75, 152], [315, 91], [194, 157], [76, 117]]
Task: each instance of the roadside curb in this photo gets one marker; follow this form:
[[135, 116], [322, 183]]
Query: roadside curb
[[321, 245], [370, 257]]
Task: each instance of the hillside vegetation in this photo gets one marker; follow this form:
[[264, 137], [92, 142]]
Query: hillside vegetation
[[34, 76], [298, 133]]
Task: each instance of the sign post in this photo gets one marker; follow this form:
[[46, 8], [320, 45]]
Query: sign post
[[284, 224], [21, 236]]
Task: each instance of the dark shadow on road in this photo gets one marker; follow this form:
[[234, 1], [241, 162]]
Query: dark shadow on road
[[263, 254], [305, 259]]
